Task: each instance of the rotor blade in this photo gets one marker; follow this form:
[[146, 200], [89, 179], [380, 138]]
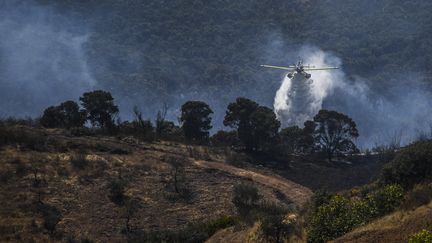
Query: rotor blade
[[277, 67], [319, 69]]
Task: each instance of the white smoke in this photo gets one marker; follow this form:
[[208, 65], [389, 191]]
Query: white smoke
[[42, 59], [299, 99], [401, 112]]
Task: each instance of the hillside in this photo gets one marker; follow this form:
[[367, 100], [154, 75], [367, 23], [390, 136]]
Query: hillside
[[62, 185], [396, 227], [74, 177]]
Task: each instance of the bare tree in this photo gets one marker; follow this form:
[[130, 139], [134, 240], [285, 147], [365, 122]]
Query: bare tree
[[160, 120]]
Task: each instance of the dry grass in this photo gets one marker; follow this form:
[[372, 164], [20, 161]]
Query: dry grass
[[396, 227], [75, 180]]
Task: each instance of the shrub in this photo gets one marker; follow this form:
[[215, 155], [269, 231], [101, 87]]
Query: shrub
[[117, 190], [26, 138], [178, 181], [331, 220], [198, 232], [412, 165], [81, 131], [338, 215], [420, 195], [79, 161], [423, 236], [386, 199], [51, 216], [21, 169], [276, 222], [245, 198], [6, 176]]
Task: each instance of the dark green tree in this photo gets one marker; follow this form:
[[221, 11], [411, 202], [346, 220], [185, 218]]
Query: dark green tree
[[334, 133], [66, 115], [264, 128], [100, 108], [224, 139], [290, 138], [196, 121], [238, 116]]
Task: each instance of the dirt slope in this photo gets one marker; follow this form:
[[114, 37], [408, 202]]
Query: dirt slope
[[82, 195], [294, 192]]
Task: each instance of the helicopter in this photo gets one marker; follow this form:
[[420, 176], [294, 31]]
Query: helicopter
[[300, 68]]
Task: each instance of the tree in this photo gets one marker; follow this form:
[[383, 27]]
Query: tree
[[128, 211], [224, 139], [334, 133], [238, 116], [264, 128], [257, 126], [100, 108], [290, 138], [196, 121], [66, 115], [178, 179], [142, 128], [160, 121]]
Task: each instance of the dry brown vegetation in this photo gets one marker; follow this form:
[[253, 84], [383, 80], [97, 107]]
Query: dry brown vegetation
[[63, 190]]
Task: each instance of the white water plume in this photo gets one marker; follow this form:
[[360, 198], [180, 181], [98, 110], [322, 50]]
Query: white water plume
[[299, 99]]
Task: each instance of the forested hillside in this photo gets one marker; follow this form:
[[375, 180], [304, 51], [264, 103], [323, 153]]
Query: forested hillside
[[152, 52], [179, 43]]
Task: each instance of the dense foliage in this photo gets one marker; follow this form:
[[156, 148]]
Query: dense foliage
[[412, 165], [65, 115], [257, 127], [334, 132], [100, 108], [334, 216], [196, 121], [424, 236]]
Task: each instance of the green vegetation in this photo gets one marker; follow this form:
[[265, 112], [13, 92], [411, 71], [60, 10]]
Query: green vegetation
[[66, 115], [197, 232], [257, 126], [424, 236], [334, 133], [420, 195], [334, 216], [178, 181], [245, 198], [196, 121], [238, 117], [412, 165], [117, 189], [277, 221], [100, 108]]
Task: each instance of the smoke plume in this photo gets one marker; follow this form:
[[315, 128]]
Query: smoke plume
[[299, 99], [42, 61], [398, 114]]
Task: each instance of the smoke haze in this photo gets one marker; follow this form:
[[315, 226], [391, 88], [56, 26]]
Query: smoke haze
[[42, 63], [48, 56]]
